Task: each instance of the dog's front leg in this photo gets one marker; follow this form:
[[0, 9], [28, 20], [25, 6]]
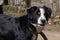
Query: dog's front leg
[[36, 36]]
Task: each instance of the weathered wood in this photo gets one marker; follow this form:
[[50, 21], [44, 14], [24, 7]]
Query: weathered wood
[[1, 8], [28, 3], [6, 2]]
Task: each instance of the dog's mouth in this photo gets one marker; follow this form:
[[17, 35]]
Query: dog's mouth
[[38, 24], [39, 27], [41, 24]]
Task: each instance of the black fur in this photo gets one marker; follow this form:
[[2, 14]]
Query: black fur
[[32, 14], [24, 26], [8, 28], [48, 12], [13, 30]]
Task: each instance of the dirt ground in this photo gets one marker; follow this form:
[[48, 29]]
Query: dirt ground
[[52, 32]]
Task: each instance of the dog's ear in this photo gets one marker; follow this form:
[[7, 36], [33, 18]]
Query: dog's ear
[[31, 9], [48, 11]]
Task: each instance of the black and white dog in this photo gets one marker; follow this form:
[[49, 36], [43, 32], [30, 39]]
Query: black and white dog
[[26, 27], [34, 22]]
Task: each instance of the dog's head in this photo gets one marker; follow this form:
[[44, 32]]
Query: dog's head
[[39, 15]]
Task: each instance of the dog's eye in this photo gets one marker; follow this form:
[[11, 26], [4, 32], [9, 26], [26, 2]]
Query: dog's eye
[[38, 13]]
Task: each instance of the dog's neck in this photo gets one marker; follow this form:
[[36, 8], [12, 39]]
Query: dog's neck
[[25, 23]]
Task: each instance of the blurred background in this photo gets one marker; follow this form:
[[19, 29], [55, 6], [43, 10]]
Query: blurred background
[[17, 8]]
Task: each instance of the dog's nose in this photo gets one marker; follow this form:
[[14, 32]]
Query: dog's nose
[[43, 21]]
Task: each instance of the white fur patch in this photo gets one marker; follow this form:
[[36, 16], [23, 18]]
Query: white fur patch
[[42, 17], [42, 10]]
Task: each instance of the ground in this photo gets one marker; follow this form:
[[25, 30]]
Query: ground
[[52, 32]]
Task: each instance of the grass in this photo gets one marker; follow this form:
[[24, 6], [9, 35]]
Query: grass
[[58, 23], [12, 11]]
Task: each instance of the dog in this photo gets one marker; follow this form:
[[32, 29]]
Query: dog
[[33, 23], [25, 27], [38, 17]]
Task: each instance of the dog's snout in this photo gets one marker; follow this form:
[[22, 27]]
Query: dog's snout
[[43, 21]]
